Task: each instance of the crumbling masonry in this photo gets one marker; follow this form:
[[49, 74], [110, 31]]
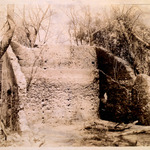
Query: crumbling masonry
[[67, 84]]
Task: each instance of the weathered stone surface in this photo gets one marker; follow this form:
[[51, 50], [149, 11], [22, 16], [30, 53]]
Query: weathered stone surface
[[116, 81], [63, 102], [141, 98], [13, 93], [63, 86]]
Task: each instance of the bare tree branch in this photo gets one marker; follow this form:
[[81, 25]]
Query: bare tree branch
[[34, 20]]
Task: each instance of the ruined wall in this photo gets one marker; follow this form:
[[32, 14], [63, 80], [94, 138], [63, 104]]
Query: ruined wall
[[116, 82], [13, 93], [124, 97], [60, 84], [141, 98], [63, 86]]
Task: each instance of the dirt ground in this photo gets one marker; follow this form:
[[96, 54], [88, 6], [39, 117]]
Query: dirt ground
[[87, 134]]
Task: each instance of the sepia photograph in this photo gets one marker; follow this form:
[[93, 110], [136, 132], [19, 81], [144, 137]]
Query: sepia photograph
[[74, 74]]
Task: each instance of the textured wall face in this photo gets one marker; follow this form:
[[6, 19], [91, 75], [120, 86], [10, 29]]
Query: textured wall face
[[63, 102], [63, 87], [141, 98]]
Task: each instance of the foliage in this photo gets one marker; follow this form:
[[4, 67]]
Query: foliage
[[123, 36], [82, 23], [122, 32]]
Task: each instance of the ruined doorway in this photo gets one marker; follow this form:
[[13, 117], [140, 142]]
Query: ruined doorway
[[116, 81]]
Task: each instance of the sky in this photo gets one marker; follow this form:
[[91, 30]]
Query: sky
[[91, 2]]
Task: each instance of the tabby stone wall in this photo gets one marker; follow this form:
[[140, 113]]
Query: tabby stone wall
[[61, 83], [13, 93]]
